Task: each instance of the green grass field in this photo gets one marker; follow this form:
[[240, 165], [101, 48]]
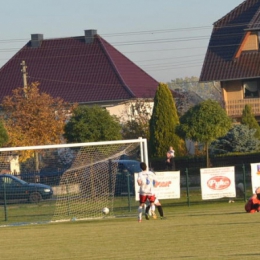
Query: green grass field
[[216, 230]]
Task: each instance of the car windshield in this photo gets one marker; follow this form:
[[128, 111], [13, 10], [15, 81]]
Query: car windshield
[[21, 181], [133, 167]]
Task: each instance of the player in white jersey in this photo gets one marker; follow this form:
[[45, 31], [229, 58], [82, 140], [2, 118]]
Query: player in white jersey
[[146, 181]]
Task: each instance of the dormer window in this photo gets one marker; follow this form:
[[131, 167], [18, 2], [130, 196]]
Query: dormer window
[[251, 89], [251, 42]]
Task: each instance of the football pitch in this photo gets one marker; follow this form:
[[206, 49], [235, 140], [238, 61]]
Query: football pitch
[[212, 231]]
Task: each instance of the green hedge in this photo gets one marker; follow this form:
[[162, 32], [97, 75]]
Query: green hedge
[[182, 163]]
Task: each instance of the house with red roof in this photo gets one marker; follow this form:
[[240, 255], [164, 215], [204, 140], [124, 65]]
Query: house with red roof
[[233, 58], [84, 70]]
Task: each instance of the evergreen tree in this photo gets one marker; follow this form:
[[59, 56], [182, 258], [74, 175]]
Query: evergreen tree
[[239, 139], [249, 120], [162, 124]]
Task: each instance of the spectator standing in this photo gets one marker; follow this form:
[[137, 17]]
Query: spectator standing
[[171, 151], [170, 163]]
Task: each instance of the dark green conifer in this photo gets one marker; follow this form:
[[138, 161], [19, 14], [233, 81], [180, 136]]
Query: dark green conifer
[[248, 119], [162, 124]]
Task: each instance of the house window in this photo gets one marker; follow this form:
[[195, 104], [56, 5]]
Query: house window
[[251, 89]]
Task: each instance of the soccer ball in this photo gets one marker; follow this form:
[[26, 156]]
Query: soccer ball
[[105, 211]]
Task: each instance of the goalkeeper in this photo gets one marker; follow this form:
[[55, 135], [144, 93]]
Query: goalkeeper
[[253, 204]]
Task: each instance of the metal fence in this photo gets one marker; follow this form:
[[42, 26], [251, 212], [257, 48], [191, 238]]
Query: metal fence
[[24, 210]]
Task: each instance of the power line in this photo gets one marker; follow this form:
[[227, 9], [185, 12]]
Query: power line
[[179, 66], [162, 40], [160, 31], [171, 58], [165, 64]]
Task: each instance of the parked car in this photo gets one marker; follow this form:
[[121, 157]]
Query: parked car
[[50, 177], [13, 188]]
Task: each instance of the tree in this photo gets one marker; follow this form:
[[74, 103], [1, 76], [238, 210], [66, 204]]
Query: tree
[[249, 120], [204, 123], [34, 118], [239, 139], [162, 124], [92, 124], [138, 114], [206, 90], [3, 135]]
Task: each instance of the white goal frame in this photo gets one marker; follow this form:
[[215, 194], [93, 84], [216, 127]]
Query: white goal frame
[[142, 141], [83, 190]]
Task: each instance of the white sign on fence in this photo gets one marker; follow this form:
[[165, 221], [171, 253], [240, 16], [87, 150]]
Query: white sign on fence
[[217, 183], [166, 187], [255, 176]]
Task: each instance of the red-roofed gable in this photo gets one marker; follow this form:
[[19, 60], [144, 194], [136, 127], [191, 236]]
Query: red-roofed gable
[[78, 71]]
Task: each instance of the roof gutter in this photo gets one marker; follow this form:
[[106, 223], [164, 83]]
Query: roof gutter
[[111, 101], [203, 81]]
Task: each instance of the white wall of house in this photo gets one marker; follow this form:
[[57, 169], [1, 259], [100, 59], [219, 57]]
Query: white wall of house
[[119, 111], [130, 110]]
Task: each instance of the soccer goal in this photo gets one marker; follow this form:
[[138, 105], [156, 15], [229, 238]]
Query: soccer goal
[[84, 177]]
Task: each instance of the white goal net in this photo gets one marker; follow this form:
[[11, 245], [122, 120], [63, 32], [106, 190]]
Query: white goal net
[[84, 178]]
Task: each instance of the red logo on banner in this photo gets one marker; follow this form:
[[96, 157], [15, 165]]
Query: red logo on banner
[[218, 183], [162, 184]]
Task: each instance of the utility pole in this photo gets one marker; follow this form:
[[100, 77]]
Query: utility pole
[[23, 70]]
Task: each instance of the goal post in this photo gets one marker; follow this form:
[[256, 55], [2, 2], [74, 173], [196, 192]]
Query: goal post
[[84, 177]]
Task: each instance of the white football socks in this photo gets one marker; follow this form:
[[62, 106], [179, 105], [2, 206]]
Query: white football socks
[[140, 212]]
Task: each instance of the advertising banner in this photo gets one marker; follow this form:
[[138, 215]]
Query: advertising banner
[[217, 183], [255, 176], [166, 187]]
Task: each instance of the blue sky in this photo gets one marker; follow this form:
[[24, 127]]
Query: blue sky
[[167, 38]]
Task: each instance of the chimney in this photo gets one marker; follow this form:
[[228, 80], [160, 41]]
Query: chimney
[[89, 35], [36, 40]]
